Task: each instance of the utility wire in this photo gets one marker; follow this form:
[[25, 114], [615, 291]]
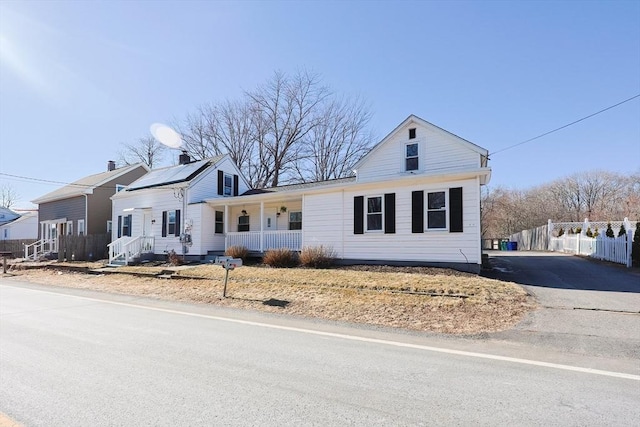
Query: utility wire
[[565, 126]]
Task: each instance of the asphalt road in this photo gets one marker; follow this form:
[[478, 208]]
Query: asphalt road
[[76, 358], [587, 307]]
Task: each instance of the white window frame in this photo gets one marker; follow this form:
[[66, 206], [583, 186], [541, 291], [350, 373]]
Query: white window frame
[[295, 222], [248, 224], [69, 228], [224, 185], [445, 209], [381, 213], [109, 226], [407, 157], [81, 230], [5, 233], [173, 213], [216, 222]]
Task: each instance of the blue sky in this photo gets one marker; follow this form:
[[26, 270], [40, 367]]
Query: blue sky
[[79, 78]]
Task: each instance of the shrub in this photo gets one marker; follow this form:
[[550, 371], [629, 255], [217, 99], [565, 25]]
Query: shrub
[[609, 232], [589, 233], [173, 258], [560, 232], [317, 257], [635, 246], [578, 230], [571, 231], [623, 231], [237, 252], [596, 233], [281, 258]]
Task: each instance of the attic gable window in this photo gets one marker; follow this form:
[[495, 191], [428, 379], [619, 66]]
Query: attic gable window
[[412, 133], [411, 157]]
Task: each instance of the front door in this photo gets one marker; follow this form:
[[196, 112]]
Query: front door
[[146, 223], [270, 222]]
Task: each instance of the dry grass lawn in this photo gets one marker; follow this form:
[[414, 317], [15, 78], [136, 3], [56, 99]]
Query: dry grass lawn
[[418, 298]]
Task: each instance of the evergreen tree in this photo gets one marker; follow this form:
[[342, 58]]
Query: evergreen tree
[[609, 232], [623, 231], [635, 246]]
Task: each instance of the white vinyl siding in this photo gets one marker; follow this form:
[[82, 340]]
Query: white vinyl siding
[[437, 152]]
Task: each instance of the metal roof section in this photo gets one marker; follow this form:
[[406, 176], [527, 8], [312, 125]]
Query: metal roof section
[[173, 174], [297, 187], [86, 185]]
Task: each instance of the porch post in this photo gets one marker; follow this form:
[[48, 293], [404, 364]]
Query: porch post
[[261, 226]]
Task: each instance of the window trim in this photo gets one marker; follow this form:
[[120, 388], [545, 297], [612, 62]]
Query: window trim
[[109, 226], [248, 224], [445, 210], [69, 228], [367, 213], [407, 157], [295, 222], [81, 228], [224, 184], [216, 222]]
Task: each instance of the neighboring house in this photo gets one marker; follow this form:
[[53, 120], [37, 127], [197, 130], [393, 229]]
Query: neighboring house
[[415, 199], [165, 211], [82, 207], [23, 227], [7, 215]]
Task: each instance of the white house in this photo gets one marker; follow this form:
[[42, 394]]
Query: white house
[[415, 199], [21, 227], [164, 210]]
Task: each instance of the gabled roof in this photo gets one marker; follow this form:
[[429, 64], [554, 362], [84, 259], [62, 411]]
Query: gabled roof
[[21, 218], [87, 184], [173, 174], [415, 119]]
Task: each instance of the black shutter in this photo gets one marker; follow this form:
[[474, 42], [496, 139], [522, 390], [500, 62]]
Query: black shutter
[[177, 233], [358, 211], [235, 185], [130, 225], [417, 211], [220, 183], [455, 210], [164, 223], [390, 213], [119, 226]]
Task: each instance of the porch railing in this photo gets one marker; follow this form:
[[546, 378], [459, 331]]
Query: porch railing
[[39, 248], [126, 249], [260, 241]]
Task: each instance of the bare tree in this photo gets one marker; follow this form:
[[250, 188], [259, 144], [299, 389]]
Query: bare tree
[[8, 196], [147, 150], [337, 141], [284, 109]]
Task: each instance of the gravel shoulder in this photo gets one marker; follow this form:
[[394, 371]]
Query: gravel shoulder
[[414, 298]]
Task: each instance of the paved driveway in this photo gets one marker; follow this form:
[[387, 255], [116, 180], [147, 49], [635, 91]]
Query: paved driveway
[[587, 307]]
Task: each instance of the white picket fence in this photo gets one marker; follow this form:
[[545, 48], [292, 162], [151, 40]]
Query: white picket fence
[[613, 249]]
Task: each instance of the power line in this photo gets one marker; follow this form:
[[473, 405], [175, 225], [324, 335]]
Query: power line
[[567, 125]]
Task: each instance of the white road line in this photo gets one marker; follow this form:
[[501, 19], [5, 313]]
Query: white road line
[[358, 338]]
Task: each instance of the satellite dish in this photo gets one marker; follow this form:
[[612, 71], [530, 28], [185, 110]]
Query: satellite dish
[[166, 135]]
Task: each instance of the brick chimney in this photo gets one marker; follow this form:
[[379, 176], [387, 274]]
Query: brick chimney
[[184, 158], [111, 166]]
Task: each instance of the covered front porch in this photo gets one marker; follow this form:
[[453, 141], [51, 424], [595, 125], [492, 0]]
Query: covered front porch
[[260, 226]]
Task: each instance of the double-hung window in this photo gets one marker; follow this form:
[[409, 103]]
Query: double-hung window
[[295, 220], [228, 185], [243, 223], [437, 210], [411, 157], [81, 230], [219, 222], [374, 213]]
